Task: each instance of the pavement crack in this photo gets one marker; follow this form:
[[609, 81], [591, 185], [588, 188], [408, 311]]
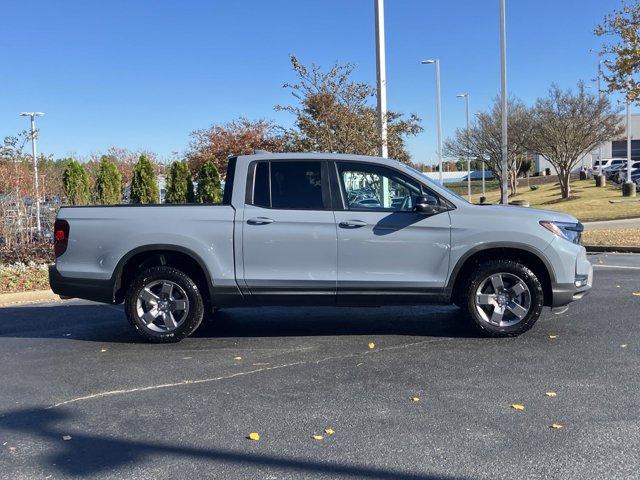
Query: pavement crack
[[125, 391]]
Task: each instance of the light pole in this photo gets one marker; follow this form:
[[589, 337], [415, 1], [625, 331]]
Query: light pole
[[483, 162], [629, 188], [33, 116], [503, 84], [436, 62], [466, 109], [600, 94], [381, 77]]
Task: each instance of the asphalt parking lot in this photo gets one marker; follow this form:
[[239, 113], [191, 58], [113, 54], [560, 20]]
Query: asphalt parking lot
[[81, 396]]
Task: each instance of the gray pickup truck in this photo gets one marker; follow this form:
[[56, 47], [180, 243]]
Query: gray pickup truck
[[320, 229]]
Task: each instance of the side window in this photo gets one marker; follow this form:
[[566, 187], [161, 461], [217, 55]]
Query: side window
[[288, 185], [371, 187]]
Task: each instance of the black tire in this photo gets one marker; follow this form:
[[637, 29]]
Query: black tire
[[186, 287], [509, 270]]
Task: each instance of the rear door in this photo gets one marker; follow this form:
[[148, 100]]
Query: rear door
[[289, 233], [385, 248]]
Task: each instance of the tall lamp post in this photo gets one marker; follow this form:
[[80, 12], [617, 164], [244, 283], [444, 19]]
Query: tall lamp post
[[381, 77], [436, 62], [629, 188], [503, 92], [33, 116], [466, 109]]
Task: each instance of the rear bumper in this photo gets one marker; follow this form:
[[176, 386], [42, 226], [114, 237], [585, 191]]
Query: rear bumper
[[88, 289]]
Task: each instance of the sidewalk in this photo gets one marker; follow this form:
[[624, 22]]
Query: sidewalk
[[613, 224]]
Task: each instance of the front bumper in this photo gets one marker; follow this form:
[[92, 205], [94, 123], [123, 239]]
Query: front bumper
[[565, 293], [88, 289]]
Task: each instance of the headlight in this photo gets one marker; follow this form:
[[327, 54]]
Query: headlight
[[566, 230]]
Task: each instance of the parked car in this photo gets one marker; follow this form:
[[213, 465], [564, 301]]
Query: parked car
[[600, 165], [284, 234], [620, 175], [610, 171]]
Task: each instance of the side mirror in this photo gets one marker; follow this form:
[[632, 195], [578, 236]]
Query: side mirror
[[427, 205]]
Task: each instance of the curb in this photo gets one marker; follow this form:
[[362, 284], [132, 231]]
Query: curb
[[610, 248], [28, 297]]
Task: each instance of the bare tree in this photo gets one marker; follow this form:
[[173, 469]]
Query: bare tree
[[484, 140], [569, 125]]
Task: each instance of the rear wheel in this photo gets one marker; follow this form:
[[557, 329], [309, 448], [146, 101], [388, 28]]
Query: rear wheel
[[164, 304], [503, 298]]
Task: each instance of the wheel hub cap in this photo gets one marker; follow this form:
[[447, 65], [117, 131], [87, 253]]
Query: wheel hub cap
[[162, 306], [502, 300]]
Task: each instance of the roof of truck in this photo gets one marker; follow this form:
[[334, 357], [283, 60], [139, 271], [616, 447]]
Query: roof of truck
[[262, 155]]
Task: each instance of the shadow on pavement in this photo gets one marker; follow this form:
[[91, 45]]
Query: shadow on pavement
[[101, 323], [86, 454]]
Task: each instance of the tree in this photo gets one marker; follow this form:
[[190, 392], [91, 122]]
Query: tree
[[144, 186], [75, 182], [622, 58], [179, 184], [334, 114], [484, 140], [239, 137], [208, 184], [108, 183], [568, 125]]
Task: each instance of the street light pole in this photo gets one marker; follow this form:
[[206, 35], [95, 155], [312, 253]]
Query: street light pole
[[503, 83], [381, 77], [466, 108], [628, 141], [600, 95], [33, 116], [436, 62]]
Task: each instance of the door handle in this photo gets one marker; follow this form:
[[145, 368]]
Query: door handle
[[260, 221], [353, 224]]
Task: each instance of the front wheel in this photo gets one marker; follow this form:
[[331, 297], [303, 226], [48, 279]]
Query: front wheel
[[164, 304], [503, 298]]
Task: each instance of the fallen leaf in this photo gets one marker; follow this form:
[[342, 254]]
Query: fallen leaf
[[237, 358], [557, 426], [624, 345], [103, 350], [550, 394], [317, 437], [617, 286], [636, 294], [329, 431], [66, 437], [255, 436], [415, 399], [553, 337], [517, 406], [372, 345]]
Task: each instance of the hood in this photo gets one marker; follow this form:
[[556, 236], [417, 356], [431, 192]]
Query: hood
[[526, 212]]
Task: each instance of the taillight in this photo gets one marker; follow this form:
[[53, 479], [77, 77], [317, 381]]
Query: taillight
[[60, 237]]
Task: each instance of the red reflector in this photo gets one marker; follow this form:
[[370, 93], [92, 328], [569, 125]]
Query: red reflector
[[59, 235]]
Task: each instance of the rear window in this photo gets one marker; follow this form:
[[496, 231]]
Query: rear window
[[228, 182], [288, 185]]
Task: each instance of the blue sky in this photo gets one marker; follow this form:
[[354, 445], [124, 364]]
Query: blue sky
[[143, 74]]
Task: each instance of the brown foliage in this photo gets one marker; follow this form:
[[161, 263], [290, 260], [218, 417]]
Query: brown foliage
[[239, 137]]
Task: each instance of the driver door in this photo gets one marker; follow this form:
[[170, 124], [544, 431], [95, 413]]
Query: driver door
[[387, 250]]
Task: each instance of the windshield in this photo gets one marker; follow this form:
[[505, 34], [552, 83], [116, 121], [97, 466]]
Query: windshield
[[433, 182]]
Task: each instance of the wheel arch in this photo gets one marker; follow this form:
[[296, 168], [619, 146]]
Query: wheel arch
[[161, 254], [525, 254]]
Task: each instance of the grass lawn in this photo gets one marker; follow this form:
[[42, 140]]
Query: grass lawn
[[589, 203], [623, 237]]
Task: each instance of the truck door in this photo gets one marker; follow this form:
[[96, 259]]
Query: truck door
[[289, 240], [385, 248]]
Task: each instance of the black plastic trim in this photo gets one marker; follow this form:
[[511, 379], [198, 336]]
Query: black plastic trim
[[89, 289]]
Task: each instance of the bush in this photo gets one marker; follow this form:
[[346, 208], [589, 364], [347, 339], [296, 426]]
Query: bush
[[179, 184], [108, 183], [144, 186], [208, 184], [75, 181]]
